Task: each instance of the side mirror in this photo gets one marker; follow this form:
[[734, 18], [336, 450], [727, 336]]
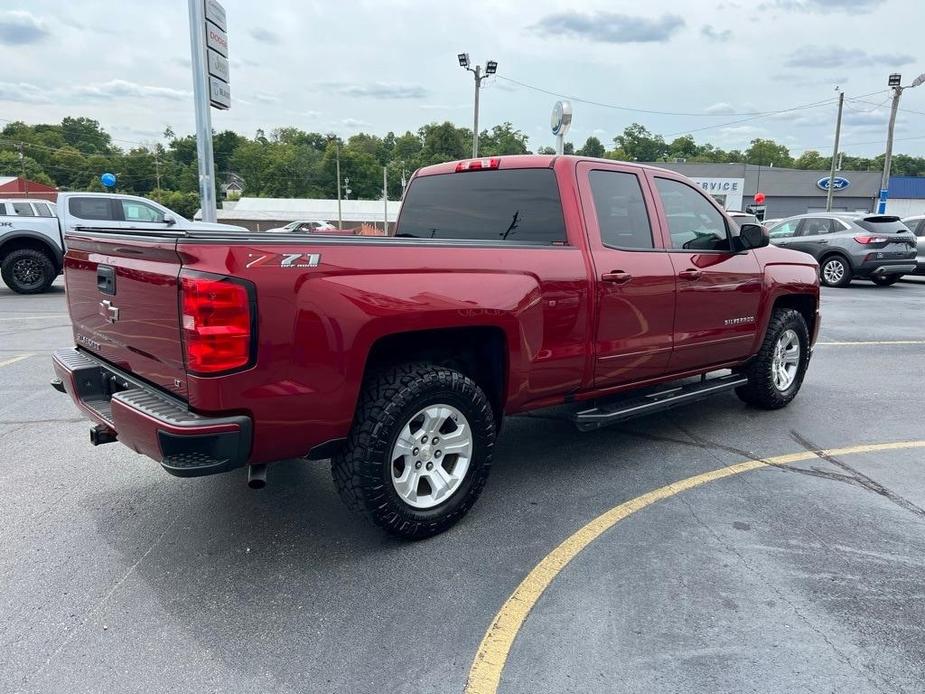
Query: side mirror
[[169, 220], [752, 236]]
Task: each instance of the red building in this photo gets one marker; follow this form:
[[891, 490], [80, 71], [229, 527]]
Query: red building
[[18, 187]]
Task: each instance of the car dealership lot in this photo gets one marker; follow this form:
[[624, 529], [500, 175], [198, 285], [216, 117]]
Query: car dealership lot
[[803, 575]]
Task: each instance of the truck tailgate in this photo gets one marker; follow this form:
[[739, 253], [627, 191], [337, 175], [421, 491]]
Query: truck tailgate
[[123, 299]]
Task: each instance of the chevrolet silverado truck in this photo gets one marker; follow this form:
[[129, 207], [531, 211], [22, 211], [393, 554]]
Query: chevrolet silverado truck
[[510, 284]]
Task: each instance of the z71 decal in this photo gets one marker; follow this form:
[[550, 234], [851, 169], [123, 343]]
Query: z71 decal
[[285, 260]]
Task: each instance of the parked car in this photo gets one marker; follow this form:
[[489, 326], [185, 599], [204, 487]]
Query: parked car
[[879, 248], [398, 357], [917, 226], [302, 226], [31, 231]]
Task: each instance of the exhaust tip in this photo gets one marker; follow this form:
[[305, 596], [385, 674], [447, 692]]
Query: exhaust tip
[[257, 476]]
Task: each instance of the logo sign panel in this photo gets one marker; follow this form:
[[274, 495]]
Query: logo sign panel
[[561, 118], [218, 66], [219, 93], [838, 183], [215, 13], [216, 39]]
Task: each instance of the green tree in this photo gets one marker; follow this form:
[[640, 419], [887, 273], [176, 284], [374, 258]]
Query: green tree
[[683, 147], [811, 159], [640, 145], [768, 153], [502, 139], [592, 148], [443, 142]]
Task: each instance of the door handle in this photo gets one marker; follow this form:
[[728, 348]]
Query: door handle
[[617, 277], [690, 274]]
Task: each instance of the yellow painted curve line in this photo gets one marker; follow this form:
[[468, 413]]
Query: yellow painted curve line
[[15, 359], [491, 657]]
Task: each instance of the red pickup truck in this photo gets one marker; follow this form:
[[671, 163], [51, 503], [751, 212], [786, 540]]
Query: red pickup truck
[[511, 284]]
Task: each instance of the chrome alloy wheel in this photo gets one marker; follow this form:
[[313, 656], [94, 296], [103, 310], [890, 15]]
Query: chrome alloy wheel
[[786, 361], [431, 456], [834, 271]]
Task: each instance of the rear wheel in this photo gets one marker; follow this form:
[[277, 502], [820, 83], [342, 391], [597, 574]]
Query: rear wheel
[[27, 271], [776, 373], [835, 272], [419, 452], [886, 280]]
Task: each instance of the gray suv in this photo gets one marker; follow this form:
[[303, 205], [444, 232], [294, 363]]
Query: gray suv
[[879, 248], [917, 226]]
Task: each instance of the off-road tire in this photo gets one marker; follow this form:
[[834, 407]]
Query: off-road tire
[[760, 390], [886, 280], [845, 277], [39, 264], [362, 469]]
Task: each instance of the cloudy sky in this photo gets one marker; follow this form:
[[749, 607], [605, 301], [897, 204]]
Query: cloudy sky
[[380, 65]]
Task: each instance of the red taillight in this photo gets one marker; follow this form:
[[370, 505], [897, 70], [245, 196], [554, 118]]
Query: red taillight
[[866, 239], [478, 164], [216, 321]]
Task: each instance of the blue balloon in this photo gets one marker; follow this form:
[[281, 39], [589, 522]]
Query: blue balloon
[[108, 180]]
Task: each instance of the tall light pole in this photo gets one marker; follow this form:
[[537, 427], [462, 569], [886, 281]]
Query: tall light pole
[[491, 67], [895, 82], [831, 187]]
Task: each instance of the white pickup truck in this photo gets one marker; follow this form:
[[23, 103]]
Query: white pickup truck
[[32, 231]]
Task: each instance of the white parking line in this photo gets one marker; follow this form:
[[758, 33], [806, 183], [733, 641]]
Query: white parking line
[[15, 359], [873, 342]]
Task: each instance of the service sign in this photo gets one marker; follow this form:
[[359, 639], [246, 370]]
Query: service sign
[[838, 183], [219, 93], [215, 13], [216, 39], [218, 66]]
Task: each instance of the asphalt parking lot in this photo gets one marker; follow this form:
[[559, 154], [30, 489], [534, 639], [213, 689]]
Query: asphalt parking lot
[[799, 573]]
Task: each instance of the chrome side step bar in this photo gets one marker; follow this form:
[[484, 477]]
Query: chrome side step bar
[[619, 411]]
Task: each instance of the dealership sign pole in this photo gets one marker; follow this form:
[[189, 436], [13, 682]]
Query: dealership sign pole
[[211, 75], [560, 122]]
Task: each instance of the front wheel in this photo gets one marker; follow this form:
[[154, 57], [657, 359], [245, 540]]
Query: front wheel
[[885, 280], [419, 452], [835, 272], [28, 271], [776, 373]]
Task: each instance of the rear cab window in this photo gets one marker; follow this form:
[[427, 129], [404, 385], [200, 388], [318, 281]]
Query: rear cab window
[[517, 206], [91, 208]]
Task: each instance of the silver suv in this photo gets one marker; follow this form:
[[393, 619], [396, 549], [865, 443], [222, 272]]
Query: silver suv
[[879, 248], [917, 226]]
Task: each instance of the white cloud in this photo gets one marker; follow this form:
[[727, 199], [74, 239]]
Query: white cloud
[[19, 28], [720, 107], [23, 92], [121, 89]]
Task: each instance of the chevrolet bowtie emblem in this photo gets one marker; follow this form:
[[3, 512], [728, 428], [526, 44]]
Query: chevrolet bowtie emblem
[[108, 311]]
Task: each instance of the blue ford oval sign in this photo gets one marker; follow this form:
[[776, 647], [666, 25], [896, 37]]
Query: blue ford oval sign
[[838, 183]]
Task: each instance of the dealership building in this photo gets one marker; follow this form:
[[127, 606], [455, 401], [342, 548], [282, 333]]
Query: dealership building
[[787, 191]]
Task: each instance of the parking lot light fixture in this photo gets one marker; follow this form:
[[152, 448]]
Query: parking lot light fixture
[[491, 67]]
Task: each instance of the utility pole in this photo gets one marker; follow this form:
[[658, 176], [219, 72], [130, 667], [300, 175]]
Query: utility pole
[[22, 168], [830, 189], [340, 219], [491, 67], [385, 199], [157, 169], [895, 81]]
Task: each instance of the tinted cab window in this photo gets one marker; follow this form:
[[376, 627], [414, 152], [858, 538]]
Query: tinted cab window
[[621, 210], [694, 223], [91, 208], [514, 205]]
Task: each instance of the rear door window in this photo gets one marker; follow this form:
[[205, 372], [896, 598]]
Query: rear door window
[[621, 210], [23, 209], [816, 226], [917, 227], [512, 205], [91, 208]]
